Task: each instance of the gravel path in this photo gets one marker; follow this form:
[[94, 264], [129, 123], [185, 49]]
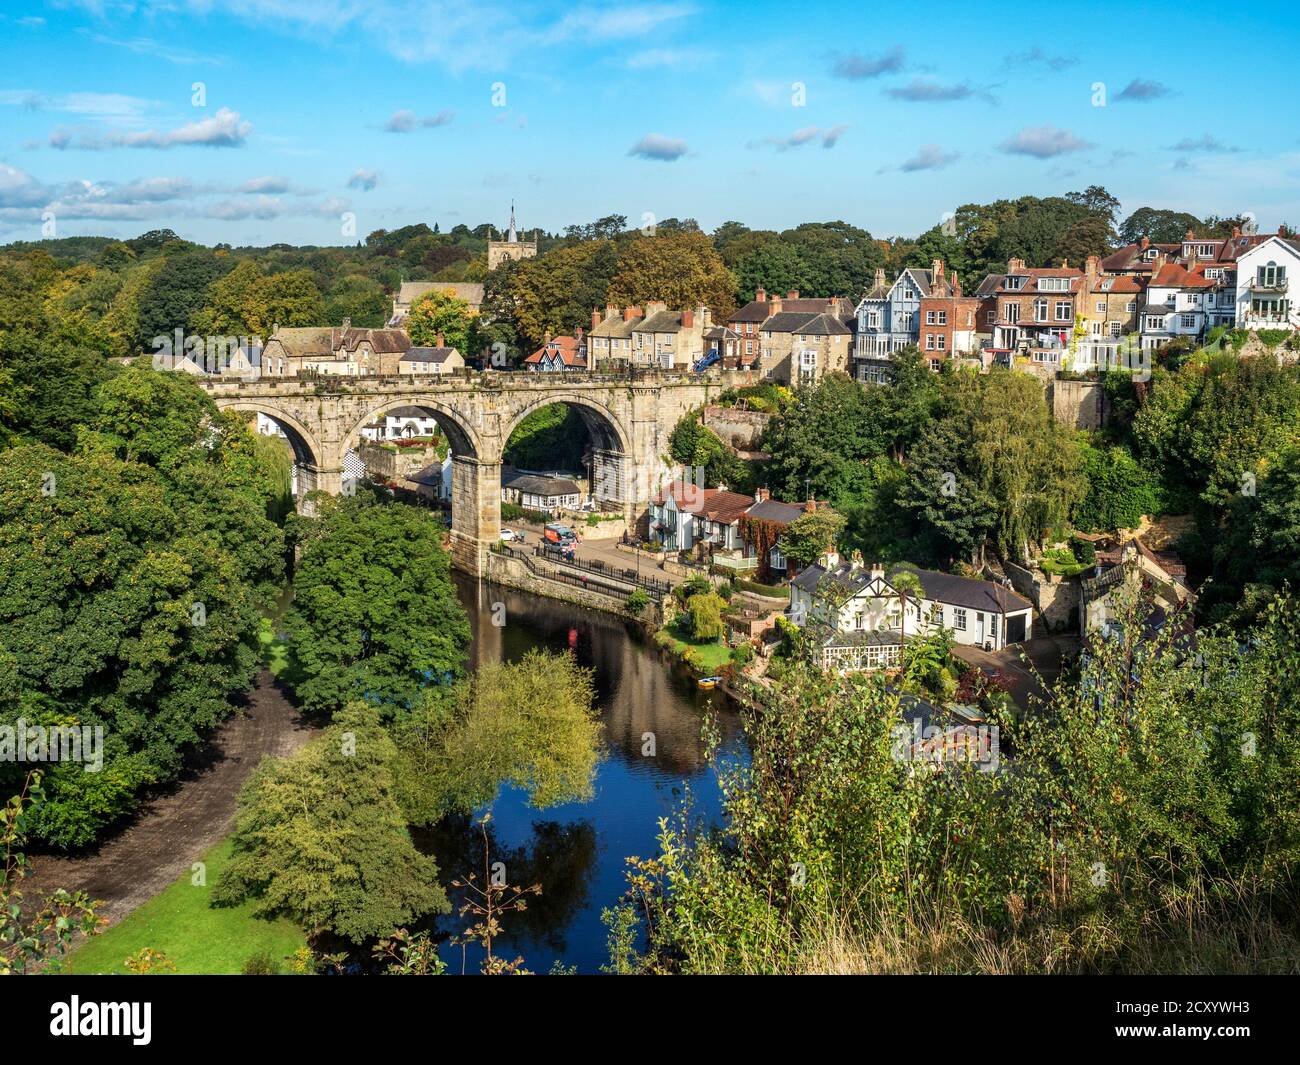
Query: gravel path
[[171, 829]]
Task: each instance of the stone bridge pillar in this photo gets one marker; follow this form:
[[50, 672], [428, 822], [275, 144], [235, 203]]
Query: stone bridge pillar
[[475, 511], [311, 477]]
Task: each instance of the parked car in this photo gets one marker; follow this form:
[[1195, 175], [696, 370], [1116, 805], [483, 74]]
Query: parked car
[[509, 534]]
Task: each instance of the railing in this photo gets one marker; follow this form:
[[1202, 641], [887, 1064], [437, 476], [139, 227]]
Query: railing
[[592, 574]]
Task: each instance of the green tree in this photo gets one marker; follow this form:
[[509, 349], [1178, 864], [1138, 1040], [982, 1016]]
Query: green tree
[[809, 535], [704, 612], [439, 314], [530, 723], [320, 838], [375, 616], [679, 267]]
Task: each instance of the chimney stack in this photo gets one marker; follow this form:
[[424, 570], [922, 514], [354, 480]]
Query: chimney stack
[[760, 294], [1015, 266], [793, 294], [1093, 269], [760, 495], [1144, 243], [688, 319], [936, 273], [441, 343], [347, 324], [880, 277], [595, 320], [631, 312]]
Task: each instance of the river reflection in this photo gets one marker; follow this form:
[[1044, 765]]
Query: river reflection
[[576, 851]]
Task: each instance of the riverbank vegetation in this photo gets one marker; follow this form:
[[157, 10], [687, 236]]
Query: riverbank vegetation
[[1150, 821]]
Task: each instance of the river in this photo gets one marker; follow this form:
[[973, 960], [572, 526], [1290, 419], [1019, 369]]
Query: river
[[577, 851]]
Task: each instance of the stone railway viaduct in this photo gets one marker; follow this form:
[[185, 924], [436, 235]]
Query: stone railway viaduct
[[628, 416]]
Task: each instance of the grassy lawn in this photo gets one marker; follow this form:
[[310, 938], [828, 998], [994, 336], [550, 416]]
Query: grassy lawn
[[199, 939], [275, 652], [708, 655]]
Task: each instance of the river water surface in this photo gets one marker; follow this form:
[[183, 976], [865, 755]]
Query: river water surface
[[577, 851]]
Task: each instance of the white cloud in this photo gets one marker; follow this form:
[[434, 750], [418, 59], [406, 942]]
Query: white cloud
[[225, 129], [1043, 142], [657, 146], [363, 179], [929, 157], [407, 121]]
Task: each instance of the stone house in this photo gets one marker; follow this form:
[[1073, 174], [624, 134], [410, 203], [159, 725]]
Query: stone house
[[1031, 311], [670, 340], [748, 324], [435, 360], [610, 338]]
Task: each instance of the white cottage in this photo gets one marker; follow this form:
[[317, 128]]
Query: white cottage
[[867, 616]]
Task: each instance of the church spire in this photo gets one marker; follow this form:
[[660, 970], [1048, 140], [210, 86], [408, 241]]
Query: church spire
[[512, 236]]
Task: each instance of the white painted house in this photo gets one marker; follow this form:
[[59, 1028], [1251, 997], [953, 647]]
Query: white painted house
[[1176, 305], [683, 515], [1268, 285], [867, 617]]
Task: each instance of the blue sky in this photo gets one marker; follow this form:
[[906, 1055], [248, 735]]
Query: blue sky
[[393, 112]]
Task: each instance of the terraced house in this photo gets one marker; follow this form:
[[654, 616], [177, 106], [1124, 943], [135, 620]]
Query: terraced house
[[1175, 305], [1031, 311], [888, 320], [949, 320], [610, 339], [670, 340], [769, 342]]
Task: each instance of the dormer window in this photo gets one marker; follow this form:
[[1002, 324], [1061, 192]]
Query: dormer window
[[1015, 282]]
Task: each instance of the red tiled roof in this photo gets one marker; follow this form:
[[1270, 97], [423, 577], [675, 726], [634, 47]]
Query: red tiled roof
[[566, 347], [1172, 275], [711, 503]]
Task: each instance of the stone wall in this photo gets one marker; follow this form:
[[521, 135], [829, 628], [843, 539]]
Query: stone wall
[[1078, 404], [742, 429], [514, 573], [1055, 599]]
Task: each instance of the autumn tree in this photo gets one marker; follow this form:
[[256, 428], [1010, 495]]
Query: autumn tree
[[680, 267]]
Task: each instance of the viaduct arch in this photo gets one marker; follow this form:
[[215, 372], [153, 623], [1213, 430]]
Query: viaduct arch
[[629, 419]]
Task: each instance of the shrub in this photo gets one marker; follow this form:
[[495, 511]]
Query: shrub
[[637, 601], [1083, 550], [261, 964]]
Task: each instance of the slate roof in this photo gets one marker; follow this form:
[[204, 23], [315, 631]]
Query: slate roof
[[938, 587], [469, 291], [613, 325], [801, 322], [429, 355], [761, 311], [538, 484], [661, 322], [966, 591], [775, 510]]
